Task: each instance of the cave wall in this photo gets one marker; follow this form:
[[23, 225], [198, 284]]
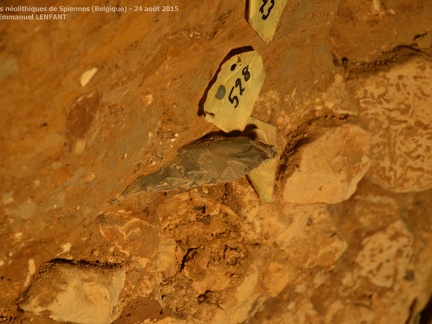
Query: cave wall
[[90, 103]]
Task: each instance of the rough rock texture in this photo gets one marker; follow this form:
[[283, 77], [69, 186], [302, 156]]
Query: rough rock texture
[[206, 251], [330, 167], [93, 102], [73, 293], [357, 33], [389, 249], [391, 263], [395, 106]]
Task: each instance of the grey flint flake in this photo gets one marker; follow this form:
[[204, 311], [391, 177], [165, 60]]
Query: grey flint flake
[[204, 162]]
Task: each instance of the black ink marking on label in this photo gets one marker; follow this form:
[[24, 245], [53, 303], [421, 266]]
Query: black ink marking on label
[[265, 16], [238, 84]]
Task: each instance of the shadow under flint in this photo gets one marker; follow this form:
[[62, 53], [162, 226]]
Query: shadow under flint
[[248, 132]]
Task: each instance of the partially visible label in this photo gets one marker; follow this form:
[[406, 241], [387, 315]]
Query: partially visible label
[[263, 178], [264, 15], [231, 99]]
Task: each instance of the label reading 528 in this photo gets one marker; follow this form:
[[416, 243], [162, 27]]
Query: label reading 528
[[231, 98], [238, 84]]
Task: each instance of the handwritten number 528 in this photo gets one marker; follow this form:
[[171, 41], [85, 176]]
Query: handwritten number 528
[[238, 84], [265, 16]]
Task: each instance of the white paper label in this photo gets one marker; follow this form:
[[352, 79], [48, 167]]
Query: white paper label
[[264, 17], [263, 178], [231, 99]]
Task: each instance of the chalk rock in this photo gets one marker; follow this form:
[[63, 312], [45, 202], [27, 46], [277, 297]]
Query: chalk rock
[[75, 293], [385, 256], [395, 106], [337, 98], [330, 167]]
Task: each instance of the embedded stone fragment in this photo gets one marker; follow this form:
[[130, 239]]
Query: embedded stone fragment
[[87, 76], [330, 167], [263, 177], [75, 293], [395, 106], [207, 161]]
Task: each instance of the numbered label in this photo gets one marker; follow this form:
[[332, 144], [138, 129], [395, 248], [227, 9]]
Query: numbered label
[[264, 15], [231, 99], [263, 178], [238, 85]]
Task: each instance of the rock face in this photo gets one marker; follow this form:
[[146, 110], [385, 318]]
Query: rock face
[[77, 294], [358, 30], [330, 167], [395, 106], [205, 244], [90, 103], [208, 245], [391, 263]]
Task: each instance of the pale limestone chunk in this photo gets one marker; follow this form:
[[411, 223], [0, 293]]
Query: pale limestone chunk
[[75, 293], [87, 76], [330, 167]]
